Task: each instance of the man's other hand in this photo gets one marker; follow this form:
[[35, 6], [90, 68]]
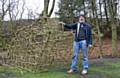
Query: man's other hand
[[90, 46]]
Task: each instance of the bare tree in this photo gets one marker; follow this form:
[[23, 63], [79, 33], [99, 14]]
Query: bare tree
[[50, 13], [15, 11], [31, 14], [112, 6], [46, 7], [23, 9], [106, 10], [4, 8], [97, 23], [10, 7]]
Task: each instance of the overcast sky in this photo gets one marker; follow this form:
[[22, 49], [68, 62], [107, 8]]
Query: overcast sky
[[38, 5], [35, 6]]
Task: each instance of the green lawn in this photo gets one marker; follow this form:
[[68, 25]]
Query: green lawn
[[105, 68]]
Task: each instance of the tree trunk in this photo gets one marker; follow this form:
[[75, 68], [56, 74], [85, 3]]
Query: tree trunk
[[106, 11], [51, 11], [113, 13], [98, 27], [46, 5]]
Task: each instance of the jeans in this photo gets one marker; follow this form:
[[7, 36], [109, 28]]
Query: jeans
[[76, 47]]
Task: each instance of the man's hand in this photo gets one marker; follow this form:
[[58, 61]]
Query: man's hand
[[62, 23], [90, 46]]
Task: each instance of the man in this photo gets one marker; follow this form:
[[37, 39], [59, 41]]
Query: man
[[82, 40]]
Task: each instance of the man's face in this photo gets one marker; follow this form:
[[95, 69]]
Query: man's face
[[81, 19]]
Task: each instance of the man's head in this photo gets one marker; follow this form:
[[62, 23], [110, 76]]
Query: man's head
[[81, 18]]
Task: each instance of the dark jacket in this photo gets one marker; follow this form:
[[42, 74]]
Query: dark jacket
[[87, 28]]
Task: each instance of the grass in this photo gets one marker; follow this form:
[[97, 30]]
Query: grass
[[105, 68]]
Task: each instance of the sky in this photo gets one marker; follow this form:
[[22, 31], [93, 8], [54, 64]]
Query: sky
[[34, 6], [37, 6]]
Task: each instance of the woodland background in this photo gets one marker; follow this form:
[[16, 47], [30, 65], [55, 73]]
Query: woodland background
[[36, 43]]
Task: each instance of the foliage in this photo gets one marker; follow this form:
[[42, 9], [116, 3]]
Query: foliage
[[68, 9]]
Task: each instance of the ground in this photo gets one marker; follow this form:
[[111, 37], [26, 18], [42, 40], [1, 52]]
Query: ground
[[99, 68]]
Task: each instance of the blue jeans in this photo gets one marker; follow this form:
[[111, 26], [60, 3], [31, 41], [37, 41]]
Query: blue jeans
[[76, 47]]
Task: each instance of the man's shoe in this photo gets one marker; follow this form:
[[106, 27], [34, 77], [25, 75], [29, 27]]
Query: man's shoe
[[70, 71], [84, 71]]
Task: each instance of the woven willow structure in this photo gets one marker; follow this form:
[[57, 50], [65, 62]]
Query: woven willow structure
[[40, 45]]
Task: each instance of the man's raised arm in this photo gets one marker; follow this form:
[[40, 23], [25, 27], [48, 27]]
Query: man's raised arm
[[69, 26]]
